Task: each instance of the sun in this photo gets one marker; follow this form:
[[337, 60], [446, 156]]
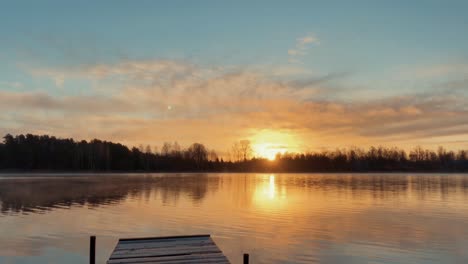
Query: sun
[[269, 150], [267, 143]]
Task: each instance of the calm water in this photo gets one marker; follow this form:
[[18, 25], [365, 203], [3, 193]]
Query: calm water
[[277, 218]]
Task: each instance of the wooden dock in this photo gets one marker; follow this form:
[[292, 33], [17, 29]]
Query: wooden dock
[[174, 249]]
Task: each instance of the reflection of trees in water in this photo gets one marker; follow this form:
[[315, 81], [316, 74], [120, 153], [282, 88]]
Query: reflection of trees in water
[[194, 186], [240, 187], [38, 195], [376, 186], [382, 185]]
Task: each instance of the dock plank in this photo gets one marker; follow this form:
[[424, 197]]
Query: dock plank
[[200, 243], [164, 252], [162, 239], [204, 257], [171, 250], [163, 249]]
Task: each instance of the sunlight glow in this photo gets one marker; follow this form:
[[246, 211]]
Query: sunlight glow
[[267, 143], [268, 150]]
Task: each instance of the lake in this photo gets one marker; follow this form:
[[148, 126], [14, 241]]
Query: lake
[[277, 218]]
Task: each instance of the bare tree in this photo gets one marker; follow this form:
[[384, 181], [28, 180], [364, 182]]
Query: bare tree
[[462, 155], [166, 149], [241, 151], [245, 149], [198, 153], [148, 149], [418, 154], [155, 150], [212, 156], [236, 152], [176, 150]]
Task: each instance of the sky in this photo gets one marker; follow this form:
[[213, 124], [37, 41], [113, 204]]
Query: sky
[[286, 75]]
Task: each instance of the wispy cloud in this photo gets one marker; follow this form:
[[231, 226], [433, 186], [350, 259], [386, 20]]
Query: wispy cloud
[[11, 84], [301, 47], [441, 70], [454, 72]]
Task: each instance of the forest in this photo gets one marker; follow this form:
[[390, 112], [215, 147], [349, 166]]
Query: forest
[[48, 153]]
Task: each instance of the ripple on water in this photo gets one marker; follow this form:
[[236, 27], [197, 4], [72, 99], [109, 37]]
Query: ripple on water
[[277, 218]]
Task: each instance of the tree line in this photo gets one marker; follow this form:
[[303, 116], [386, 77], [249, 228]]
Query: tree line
[[48, 153]]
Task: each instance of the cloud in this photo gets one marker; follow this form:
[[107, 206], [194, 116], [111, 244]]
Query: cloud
[[65, 104], [10, 84], [217, 106], [441, 76], [441, 70], [143, 71], [301, 47]]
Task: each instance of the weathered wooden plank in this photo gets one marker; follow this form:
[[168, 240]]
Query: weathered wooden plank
[[163, 240], [218, 261], [167, 253], [161, 245], [164, 237], [213, 261], [157, 260], [168, 247], [186, 243], [146, 255], [202, 260], [162, 249], [159, 251], [192, 257]]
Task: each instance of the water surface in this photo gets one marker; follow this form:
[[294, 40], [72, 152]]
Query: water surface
[[277, 218]]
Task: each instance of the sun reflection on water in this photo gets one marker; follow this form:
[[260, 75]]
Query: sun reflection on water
[[267, 196], [271, 190]]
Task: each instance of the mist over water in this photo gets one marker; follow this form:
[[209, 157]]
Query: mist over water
[[277, 218]]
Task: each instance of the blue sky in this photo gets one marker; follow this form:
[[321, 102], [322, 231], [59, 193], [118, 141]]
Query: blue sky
[[357, 34], [365, 50]]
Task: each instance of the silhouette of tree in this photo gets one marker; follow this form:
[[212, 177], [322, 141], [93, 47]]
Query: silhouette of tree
[[166, 149], [176, 150], [236, 153], [245, 149], [212, 155], [47, 153], [198, 153]]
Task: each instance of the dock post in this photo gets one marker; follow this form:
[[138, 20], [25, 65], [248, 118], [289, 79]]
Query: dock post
[[246, 258], [92, 250]]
